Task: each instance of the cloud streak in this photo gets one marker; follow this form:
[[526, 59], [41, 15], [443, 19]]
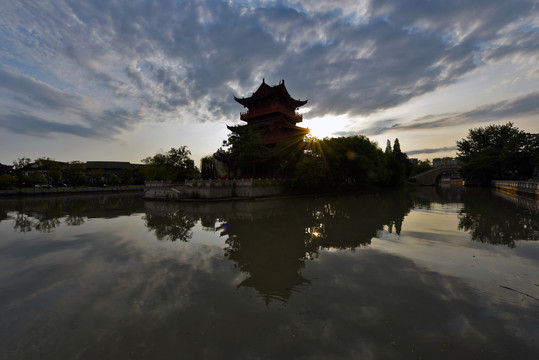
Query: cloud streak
[[103, 67], [524, 105]]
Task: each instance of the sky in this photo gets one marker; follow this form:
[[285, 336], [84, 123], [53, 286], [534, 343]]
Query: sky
[[123, 80]]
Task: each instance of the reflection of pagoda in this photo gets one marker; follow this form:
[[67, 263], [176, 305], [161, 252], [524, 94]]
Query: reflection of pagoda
[[270, 254], [271, 112]]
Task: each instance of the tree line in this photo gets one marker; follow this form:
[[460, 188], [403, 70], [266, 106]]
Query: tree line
[[48, 173], [498, 152], [307, 163]]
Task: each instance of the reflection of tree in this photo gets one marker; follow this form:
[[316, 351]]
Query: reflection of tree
[[271, 240], [46, 213], [47, 225], [74, 220], [42, 217], [348, 222], [496, 221], [174, 225], [273, 247], [23, 223]]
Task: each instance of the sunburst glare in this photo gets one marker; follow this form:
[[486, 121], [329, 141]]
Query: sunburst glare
[[327, 126]]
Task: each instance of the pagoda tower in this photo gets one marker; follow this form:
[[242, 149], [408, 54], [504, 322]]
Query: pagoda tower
[[272, 112]]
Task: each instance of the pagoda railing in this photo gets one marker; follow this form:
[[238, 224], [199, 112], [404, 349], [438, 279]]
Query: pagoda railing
[[294, 115]]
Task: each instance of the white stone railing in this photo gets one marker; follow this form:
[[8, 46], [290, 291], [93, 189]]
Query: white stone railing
[[160, 183], [528, 186], [233, 182]]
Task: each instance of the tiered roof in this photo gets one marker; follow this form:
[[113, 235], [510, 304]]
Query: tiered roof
[[265, 92]]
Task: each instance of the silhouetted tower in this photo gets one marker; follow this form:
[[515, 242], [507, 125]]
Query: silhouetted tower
[[272, 112]]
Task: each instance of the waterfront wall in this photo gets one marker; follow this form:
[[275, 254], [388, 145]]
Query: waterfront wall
[[528, 188], [60, 190], [213, 189]]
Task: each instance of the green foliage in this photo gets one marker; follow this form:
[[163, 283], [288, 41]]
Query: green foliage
[[311, 174], [75, 173], [96, 177], [312, 164], [37, 178], [7, 181], [348, 162], [50, 169], [498, 152], [127, 177], [174, 165], [114, 180], [421, 166], [208, 169], [21, 167], [354, 161], [244, 151]]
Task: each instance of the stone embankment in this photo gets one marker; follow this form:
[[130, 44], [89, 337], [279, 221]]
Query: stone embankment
[[213, 189], [60, 191]]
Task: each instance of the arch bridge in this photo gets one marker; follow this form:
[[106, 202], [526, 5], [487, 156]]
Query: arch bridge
[[429, 177]]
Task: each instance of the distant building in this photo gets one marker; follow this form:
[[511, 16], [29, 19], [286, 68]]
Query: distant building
[[414, 161], [5, 169], [437, 162], [121, 169]]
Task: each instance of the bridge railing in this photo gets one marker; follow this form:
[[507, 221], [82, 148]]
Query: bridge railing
[[438, 169]]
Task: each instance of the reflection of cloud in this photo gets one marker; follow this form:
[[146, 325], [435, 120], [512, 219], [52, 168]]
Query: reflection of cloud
[[135, 295]]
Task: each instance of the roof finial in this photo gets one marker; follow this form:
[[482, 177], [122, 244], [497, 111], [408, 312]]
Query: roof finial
[[263, 80]]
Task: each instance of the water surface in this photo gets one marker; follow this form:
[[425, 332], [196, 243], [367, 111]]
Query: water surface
[[435, 273]]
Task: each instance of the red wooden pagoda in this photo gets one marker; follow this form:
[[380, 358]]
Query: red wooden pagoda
[[272, 112]]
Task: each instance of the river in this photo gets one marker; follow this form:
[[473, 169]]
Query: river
[[429, 273]]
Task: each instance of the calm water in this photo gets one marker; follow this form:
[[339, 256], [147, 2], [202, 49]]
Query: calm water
[[436, 273]]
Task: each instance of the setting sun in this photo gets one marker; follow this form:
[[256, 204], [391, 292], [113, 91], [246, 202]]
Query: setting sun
[[327, 126]]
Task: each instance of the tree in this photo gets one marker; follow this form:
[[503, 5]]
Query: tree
[[114, 180], [7, 181], [96, 177], [75, 173], [396, 147], [421, 166], [21, 167], [244, 151], [311, 174], [208, 169], [388, 147], [497, 152], [354, 161], [174, 165], [50, 169], [37, 179], [127, 176], [398, 164]]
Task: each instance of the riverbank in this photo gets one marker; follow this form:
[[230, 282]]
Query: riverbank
[[69, 190]]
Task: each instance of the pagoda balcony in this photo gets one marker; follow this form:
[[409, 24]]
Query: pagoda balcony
[[252, 113]]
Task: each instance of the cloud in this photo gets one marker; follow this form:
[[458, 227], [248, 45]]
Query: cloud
[[186, 59], [32, 104], [431, 151], [22, 123], [523, 105], [37, 94]]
